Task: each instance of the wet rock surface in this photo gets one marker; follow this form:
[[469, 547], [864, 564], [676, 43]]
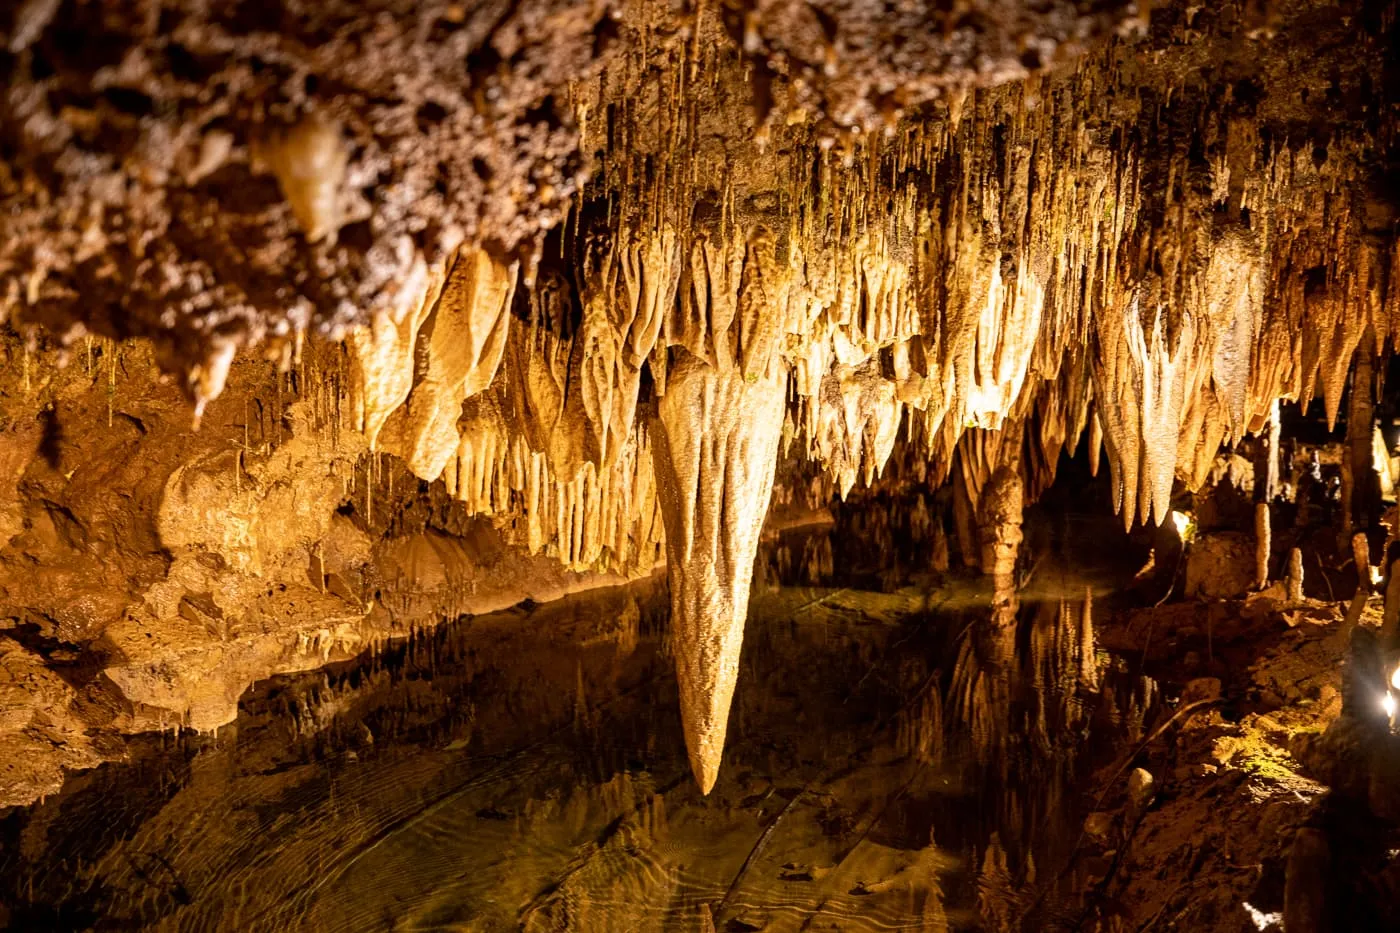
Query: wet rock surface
[[1264, 781]]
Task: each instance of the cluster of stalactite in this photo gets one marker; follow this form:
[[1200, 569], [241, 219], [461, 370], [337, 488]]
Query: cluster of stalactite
[[1004, 268], [1100, 254], [1133, 252]]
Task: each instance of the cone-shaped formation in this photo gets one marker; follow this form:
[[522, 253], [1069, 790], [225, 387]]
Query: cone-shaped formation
[[459, 331], [715, 451]]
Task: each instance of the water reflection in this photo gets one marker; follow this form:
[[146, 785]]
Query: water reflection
[[899, 761]]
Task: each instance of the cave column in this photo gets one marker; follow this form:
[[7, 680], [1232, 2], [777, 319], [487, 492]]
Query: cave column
[[999, 530], [1360, 484]]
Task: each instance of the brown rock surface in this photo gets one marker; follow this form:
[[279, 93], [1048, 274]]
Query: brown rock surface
[[1221, 564]]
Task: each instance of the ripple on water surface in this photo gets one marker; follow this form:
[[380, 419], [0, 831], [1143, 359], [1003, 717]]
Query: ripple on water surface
[[888, 768]]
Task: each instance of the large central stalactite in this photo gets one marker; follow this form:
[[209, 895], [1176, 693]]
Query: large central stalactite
[[779, 249], [715, 452]]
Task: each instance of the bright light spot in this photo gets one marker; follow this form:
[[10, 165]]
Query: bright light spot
[[1262, 921], [1388, 704], [1395, 679], [1182, 522], [1376, 575]]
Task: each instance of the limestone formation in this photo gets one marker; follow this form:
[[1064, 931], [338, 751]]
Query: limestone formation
[[590, 280], [1000, 525], [1361, 559], [1295, 576], [1262, 543], [715, 450]]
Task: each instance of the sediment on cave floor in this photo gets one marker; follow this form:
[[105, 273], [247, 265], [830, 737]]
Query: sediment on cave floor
[[745, 465]]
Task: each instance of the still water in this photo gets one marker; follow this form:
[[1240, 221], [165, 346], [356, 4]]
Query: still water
[[896, 761]]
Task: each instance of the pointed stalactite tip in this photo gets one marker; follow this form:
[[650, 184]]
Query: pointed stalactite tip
[[704, 743], [705, 767]]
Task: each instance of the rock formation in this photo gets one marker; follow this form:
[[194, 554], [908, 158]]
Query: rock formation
[[568, 283], [715, 452]]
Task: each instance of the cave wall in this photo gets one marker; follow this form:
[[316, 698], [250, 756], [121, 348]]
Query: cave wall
[[152, 570]]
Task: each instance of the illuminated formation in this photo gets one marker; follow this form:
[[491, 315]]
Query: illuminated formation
[[595, 273]]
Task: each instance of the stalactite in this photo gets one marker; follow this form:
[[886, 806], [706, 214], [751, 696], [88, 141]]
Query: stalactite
[[309, 160], [1088, 656], [715, 451], [1137, 364], [207, 378], [1360, 486], [462, 341], [1274, 452], [381, 361], [1095, 443], [936, 307]]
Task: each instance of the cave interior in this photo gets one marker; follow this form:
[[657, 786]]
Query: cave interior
[[700, 465]]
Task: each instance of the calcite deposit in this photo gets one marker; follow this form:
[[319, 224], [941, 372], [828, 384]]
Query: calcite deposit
[[479, 302]]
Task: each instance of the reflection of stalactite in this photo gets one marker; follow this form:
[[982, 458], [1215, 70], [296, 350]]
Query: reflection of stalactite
[[1021, 715], [1088, 658], [921, 733], [1140, 703], [938, 549], [1017, 718], [932, 915], [980, 691], [818, 562], [996, 889], [1109, 709]]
